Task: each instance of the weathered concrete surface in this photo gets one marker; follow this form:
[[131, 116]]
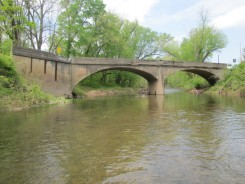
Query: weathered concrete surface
[[59, 76]]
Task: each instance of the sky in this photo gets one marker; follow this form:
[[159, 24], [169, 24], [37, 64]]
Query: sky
[[178, 17]]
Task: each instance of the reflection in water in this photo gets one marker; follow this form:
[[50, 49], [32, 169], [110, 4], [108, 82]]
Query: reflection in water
[[176, 138]]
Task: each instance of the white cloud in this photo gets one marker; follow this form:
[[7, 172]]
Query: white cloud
[[131, 9], [178, 18], [221, 13], [235, 17]]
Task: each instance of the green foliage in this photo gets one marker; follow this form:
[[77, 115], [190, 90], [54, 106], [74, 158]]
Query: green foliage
[[107, 35], [151, 44], [76, 25], [12, 20], [242, 92], [23, 97], [234, 81], [112, 78], [186, 81], [6, 47], [19, 94], [4, 86], [235, 78], [202, 42], [14, 91], [6, 63]]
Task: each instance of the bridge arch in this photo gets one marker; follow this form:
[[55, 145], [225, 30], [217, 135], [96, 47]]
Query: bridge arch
[[210, 77], [150, 78]]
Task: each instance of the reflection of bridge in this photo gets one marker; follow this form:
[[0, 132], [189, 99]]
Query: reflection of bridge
[[59, 76]]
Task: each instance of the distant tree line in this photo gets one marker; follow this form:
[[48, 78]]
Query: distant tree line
[[83, 28]]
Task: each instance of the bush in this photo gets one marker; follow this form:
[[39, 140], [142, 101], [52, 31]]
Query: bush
[[234, 81], [186, 81], [6, 64], [242, 92], [112, 78], [6, 47], [14, 91]]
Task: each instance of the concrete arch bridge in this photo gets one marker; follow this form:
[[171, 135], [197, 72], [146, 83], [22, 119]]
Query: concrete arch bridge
[[59, 76]]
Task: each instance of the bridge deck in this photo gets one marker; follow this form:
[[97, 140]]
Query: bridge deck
[[42, 55]]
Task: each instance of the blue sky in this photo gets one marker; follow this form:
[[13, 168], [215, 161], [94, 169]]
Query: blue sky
[[178, 17]]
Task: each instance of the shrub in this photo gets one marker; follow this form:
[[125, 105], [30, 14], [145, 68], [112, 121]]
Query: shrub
[[186, 80], [242, 92]]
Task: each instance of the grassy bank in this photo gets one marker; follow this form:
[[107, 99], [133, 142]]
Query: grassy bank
[[233, 83], [88, 91], [16, 93], [23, 95]]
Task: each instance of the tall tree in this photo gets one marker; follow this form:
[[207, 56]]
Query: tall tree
[[203, 41], [12, 20], [76, 22], [42, 14], [243, 55]]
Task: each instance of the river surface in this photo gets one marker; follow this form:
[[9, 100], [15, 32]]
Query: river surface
[[174, 139]]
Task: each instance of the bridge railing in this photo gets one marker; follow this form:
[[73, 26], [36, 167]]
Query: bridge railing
[[132, 62], [43, 55], [32, 53]]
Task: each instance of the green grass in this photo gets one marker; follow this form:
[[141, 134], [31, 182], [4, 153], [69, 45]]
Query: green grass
[[83, 91], [16, 93], [23, 95], [233, 83]]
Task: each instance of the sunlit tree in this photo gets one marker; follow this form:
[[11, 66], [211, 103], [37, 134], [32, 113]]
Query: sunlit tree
[[12, 20], [202, 42], [76, 24]]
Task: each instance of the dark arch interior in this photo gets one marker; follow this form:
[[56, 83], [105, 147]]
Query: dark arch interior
[[210, 77]]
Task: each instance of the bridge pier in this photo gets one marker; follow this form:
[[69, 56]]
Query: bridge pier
[[156, 87]]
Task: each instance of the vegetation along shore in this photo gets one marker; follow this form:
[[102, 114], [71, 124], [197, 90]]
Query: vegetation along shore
[[101, 34]]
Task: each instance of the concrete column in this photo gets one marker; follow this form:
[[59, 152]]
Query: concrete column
[[156, 87]]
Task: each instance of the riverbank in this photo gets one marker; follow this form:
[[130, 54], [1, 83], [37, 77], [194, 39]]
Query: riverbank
[[17, 101], [25, 97], [226, 92], [233, 83], [219, 91], [15, 93], [107, 91]]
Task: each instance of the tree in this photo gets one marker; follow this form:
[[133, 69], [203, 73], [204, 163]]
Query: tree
[[12, 20], [76, 24], [243, 55], [41, 13], [203, 41], [108, 29], [147, 44]]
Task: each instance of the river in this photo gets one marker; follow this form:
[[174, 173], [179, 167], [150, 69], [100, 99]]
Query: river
[[177, 138]]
